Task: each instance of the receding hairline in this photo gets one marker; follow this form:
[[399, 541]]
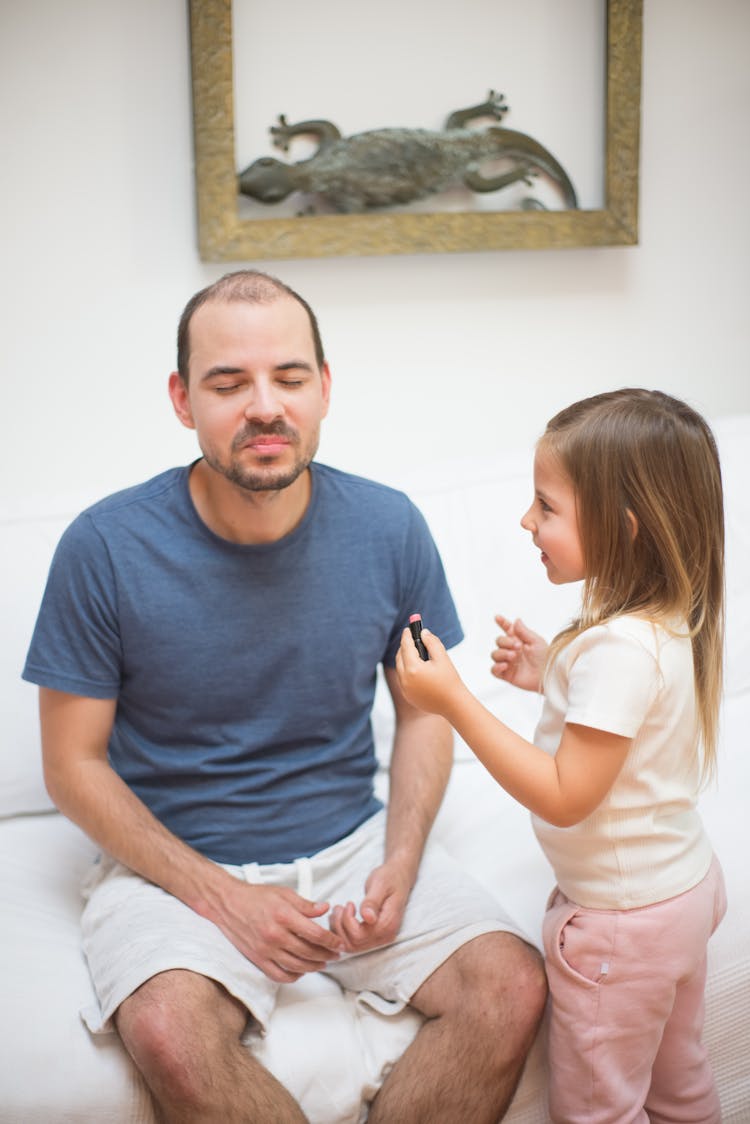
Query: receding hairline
[[242, 286], [247, 285]]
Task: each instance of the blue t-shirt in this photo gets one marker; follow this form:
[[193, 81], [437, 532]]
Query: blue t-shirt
[[244, 675]]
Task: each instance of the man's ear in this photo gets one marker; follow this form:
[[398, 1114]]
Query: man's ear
[[325, 375], [178, 392], [633, 522]]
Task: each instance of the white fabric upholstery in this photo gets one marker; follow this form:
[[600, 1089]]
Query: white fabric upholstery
[[330, 1052]]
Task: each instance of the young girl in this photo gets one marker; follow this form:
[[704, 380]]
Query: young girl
[[628, 498]]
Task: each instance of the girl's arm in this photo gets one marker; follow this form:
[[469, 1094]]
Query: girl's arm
[[563, 789]]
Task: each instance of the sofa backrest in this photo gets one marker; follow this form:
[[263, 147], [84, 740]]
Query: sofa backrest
[[473, 508]]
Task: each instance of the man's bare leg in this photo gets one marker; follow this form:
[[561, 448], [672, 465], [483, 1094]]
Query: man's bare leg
[[483, 1007], [183, 1033]]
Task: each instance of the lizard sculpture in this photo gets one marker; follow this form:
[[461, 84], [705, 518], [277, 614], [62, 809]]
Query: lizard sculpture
[[387, 167]]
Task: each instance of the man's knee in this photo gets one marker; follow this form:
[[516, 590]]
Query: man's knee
[[176, 1027], [496, 978], [505, 968]]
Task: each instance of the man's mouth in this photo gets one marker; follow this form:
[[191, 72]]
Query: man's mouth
[[266, 443], [268, 446]]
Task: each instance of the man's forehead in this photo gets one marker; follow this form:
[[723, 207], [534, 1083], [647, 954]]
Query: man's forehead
[[229, 314], [225, 332]]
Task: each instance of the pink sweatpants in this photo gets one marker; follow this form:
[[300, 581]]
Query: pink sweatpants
[[625, 1043]]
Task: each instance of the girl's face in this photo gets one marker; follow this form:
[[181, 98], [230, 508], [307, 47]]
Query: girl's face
[[552, 521]]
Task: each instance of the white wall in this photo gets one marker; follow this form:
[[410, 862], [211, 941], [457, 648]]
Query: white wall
[[432, 355]]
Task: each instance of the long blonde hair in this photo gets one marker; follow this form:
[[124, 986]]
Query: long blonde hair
[[646, 453]]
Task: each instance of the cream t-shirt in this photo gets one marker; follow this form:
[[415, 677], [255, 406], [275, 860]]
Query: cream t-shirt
[[645, 842]]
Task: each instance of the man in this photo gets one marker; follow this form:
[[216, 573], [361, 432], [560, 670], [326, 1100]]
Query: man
[[206, 652]]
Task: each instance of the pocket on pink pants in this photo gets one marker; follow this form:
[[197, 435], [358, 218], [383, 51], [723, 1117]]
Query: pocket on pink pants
[[580, 943]]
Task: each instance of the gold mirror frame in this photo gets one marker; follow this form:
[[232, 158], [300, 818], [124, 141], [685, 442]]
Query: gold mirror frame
[[224, 236]]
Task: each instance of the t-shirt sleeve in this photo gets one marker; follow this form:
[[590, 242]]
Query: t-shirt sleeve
[[75, 646], [613, 680], [424, 588]]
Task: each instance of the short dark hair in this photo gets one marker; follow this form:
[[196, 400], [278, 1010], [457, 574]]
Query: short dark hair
[[242, 285]]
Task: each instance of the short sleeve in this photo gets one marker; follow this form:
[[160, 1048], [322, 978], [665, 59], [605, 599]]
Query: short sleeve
[[424, 588], [613, 678], [75, 646]]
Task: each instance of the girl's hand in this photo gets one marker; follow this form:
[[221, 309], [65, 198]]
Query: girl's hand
[[519, 656], [430, 685]]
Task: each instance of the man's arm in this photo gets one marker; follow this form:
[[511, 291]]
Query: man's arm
[[271, 926], [419, 772], [421, 764]]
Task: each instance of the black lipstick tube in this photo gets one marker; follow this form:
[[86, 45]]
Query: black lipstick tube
[[415, 627]]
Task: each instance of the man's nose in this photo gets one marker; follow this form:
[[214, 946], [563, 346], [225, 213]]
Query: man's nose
[[264, 403]]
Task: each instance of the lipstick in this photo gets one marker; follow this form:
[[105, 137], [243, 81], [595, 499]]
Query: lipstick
[[415, 627]]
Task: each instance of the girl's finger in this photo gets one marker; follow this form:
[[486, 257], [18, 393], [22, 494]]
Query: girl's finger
[[507, 643]]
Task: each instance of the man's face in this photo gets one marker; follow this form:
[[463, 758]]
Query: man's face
[[255, 394]]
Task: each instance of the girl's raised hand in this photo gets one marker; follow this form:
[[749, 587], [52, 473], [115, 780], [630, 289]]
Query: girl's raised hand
[[429, 685], [519, 655]]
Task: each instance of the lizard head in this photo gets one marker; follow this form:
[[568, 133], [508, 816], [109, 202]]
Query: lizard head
[[267, 180]]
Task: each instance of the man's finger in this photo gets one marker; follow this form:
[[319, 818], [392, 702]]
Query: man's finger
[[369, 912]]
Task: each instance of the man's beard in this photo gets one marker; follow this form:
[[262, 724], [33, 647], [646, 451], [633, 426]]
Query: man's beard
[[255, 479]]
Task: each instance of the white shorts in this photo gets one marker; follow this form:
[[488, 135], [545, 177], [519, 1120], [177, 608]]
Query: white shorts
[[132, 930]]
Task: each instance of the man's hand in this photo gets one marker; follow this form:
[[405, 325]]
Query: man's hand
[[519, 656], [275, 928], [270, 925], [380, 914]]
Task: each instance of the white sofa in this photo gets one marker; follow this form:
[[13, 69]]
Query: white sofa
[[330, 1052]]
